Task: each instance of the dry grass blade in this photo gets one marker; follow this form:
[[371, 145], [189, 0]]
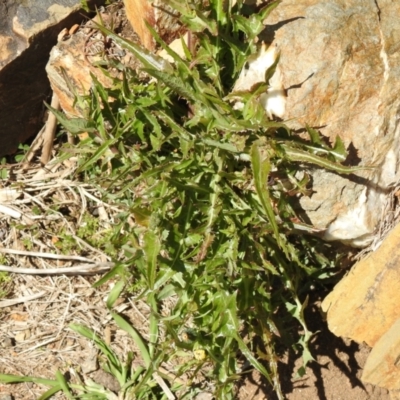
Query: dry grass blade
[[24, 299], [48, 136], [44, 255], [84, 269], [164, 386]]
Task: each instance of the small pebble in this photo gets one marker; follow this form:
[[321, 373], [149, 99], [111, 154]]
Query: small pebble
[[6, 343], [90, 363]]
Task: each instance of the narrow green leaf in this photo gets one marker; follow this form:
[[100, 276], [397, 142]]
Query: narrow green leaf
[[123, 324], [295, 154], [101, 345], [178, 129], [117, 270], [5, 378], [50, 393], [175, 56], [64, 385], [99, 90], [252, 360], [314, 135], [102, 151], [265, 11], [261, 168], [153, 328], [115, 293], [271, 70], [151, 249]]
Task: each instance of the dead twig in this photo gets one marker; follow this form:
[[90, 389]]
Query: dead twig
[[48, 135]]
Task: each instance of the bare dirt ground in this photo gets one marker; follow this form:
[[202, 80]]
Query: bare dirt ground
[[335, 375], [35, 340]]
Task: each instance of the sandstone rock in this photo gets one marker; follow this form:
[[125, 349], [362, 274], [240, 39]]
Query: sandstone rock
[[72, 61], [339, 64], [383, 364], [395, 395], [28, 30], [157, 14], [365, 304], [69, 68]]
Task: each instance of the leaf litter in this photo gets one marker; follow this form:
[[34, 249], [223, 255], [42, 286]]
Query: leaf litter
[[39, 228]]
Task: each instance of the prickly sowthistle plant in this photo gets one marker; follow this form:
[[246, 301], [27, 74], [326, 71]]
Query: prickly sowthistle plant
[[204, 181]]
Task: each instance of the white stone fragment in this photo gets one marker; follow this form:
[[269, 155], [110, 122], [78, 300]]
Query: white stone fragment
[[274, 99]]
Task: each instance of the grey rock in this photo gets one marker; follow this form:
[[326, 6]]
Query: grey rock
[[340, 64], [7, 342]]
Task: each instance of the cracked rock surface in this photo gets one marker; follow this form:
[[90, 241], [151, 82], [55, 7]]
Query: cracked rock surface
[[340, 66]]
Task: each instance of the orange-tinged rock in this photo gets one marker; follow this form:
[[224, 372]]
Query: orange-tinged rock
[[137, 12], [68, 68], [365, 303], [383, 364], [161, 17]]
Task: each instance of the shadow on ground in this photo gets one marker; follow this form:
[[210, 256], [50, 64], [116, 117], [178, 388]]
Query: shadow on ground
[[335, 375]]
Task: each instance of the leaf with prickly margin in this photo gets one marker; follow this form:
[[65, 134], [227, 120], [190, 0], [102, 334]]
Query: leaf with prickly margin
[[315, 137], [176, 128], [294, 154], [245, 25], [179, 62], [193, 19], [148, 59], [254, 24], [74, 125], [223, 146], [176, 84], [339, 150], [297, 310], [251, 359], [220, 11]]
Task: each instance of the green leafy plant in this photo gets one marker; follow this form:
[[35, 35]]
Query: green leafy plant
[[213, 191], [137, 382]]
